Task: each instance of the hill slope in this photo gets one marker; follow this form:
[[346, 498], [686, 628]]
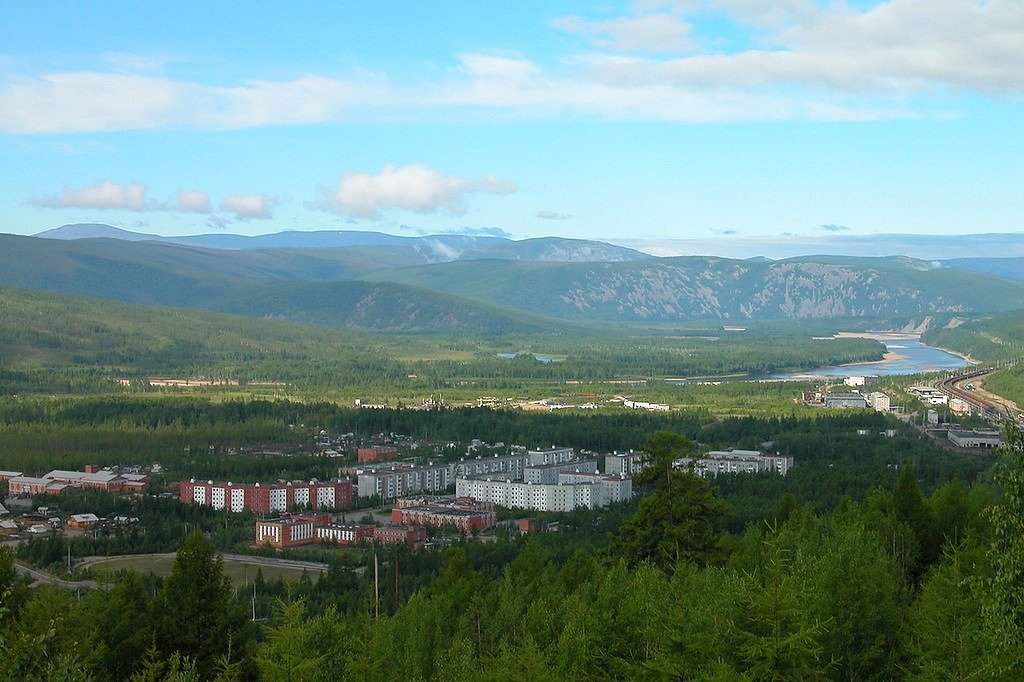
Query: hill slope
[[282, 285], [685, 288]]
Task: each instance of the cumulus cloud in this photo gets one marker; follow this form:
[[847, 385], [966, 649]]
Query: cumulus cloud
[[659, 32], [104, 196], [194, 201], [416, 188], [255, 206], [551, 215], [832, 227]]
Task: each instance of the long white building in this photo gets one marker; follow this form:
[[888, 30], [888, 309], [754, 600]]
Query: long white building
[[548, 473], [738, 462], [574, 490]]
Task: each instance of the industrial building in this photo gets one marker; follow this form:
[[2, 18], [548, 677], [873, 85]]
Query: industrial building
[[845, 400], [977, 438]]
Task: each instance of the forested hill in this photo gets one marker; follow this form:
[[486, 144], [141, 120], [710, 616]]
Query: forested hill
[[280, 285], [673, 289], [398, 289]]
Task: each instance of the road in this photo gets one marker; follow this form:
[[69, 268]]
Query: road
[[44, 578]]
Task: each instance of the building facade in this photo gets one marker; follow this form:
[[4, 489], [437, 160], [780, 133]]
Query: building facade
[[266, 498], [625, 463], [376, 453], [412, 536], [345, 534], [558, 497], [289, 531], [548, 473], [390, 481], [510, 466], [739, 462], [461, 513], [552, 455]]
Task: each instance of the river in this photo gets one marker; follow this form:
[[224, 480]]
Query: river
[[905, 355]]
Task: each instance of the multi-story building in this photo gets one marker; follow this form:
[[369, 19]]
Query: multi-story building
[[290, 531], [552, 455], [625, 463], [565, 495], [738, 462], [264, 498], [462, 513], [395, 480], [396, 535], [510, 466], [548, 473], [879, 401], [376, 453], [344, 533]]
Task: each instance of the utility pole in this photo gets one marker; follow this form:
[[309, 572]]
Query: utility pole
[[376, 588]]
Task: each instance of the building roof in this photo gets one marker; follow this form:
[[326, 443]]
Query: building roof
[[84, 518]]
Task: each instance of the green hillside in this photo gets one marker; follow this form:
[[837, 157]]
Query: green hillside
[[280, 284]]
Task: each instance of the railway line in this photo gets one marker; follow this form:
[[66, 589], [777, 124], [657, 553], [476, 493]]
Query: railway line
[[956, 387]]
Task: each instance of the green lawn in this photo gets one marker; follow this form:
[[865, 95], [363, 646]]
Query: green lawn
[[160, 565]]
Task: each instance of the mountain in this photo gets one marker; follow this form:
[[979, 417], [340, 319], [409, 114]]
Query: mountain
[[285, 285], [428, 249], [398, 291], [670, 290]]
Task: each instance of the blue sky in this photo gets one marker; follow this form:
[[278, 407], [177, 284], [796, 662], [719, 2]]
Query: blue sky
[[691, 119]]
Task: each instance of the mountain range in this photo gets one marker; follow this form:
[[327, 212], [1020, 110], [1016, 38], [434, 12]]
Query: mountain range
[[459, 283]]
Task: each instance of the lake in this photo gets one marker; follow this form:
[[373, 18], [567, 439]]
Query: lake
[[910, 357]]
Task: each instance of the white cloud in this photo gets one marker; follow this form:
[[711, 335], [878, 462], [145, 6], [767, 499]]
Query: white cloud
[[194, 201], [105, 195], [805, 59], [257, 206], [416, 187], [661, 32], [551, 215]]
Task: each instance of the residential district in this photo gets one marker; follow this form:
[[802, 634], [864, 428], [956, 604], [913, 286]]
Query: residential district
[[462, 496]]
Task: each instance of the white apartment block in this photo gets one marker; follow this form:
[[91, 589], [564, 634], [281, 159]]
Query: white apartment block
[[552, 455], [739, 462], [548, 473], [510, 466], [395, 480], [625, 463], [559, 497], [879, 401]]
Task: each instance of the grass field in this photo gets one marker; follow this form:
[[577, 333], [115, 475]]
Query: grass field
[[160, 565]]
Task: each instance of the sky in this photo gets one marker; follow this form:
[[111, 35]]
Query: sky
[[685, 119]]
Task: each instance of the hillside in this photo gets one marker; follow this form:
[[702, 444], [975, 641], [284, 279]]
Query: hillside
[[284, 284], [685, 288]]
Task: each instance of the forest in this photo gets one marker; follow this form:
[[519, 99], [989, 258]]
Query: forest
[[901, 584]]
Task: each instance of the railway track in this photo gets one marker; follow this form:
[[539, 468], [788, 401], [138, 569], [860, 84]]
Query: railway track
[[954, 387]]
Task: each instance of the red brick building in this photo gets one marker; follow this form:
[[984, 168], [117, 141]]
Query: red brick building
[[290, 531], [376, 453], [345, 533], [395, 535], [265, 498], [461, 513]]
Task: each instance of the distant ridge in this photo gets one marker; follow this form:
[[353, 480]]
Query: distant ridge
[[434, 248]]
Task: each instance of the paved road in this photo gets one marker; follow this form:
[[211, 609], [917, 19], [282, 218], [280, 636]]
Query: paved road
[[44, 578]]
